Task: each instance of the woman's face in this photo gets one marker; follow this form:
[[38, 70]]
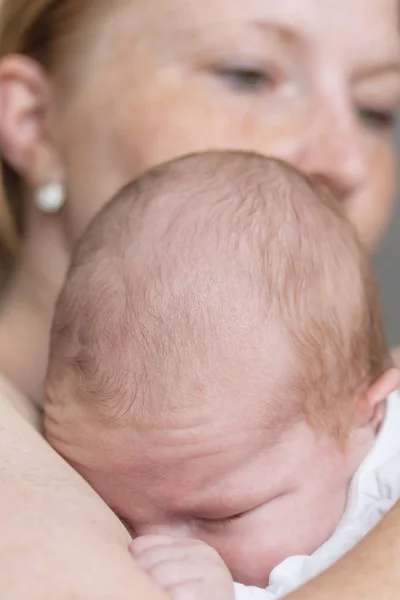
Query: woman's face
[[316, 83]]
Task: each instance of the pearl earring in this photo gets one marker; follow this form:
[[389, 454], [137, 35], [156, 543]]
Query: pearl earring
[[50, 198]]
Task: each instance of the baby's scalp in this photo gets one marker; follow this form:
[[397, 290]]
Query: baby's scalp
[[203, 260]]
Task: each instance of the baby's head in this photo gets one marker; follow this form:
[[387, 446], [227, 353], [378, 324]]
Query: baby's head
[[218, 367]]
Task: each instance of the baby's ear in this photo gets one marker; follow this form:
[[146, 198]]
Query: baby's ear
[[371, 400]]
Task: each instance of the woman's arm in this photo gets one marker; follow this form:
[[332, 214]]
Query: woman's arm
[[57, 538], [371, 571]]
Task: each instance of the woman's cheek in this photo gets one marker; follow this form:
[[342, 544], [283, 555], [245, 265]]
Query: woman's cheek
[[371, 208]]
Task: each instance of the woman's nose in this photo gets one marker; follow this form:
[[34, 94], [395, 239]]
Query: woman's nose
[[333, 153]]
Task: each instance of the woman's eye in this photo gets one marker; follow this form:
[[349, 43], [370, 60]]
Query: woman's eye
[[245, 79], [382, 120]]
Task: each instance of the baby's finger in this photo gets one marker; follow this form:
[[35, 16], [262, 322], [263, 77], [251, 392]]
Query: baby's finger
[[151, 557], [195, 590], [185, 580], [143, 543], [170, 573]]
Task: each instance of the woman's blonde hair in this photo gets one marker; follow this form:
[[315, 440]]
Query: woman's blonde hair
[[33, 28]]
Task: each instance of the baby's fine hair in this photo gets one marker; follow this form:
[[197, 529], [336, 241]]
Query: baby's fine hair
[[144, 291]]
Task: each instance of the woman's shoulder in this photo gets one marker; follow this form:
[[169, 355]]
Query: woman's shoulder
[[10, 395]]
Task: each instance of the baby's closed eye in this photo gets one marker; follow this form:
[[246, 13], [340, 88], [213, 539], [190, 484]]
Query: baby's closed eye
[[224, 522]]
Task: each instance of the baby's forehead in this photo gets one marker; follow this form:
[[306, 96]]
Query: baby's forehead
[[195, 466]]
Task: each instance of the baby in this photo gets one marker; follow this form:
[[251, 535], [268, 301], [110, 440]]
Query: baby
[[218, 373]]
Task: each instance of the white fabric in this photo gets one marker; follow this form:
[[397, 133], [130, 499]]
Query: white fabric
[[375, 488]]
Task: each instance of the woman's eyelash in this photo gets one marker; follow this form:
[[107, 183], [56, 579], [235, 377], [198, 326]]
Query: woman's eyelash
[[245, 78], [379, 119]]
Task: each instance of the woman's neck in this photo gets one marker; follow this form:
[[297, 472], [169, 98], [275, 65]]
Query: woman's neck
[[27, 310]]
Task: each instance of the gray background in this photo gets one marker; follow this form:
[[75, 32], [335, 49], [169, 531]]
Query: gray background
[[387, 263]]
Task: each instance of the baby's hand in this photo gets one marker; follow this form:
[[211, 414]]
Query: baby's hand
[[186, 568]]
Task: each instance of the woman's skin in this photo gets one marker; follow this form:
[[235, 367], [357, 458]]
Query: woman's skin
[[369, 572], [156, 79]]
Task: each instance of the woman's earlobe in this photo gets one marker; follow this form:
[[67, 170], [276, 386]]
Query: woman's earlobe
[[50, 198], [25, 102]]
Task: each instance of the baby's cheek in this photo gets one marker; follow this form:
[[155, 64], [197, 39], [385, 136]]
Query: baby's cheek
[[303, 523], [254, 545], [320, 516], [249, 555], [250, 548]]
